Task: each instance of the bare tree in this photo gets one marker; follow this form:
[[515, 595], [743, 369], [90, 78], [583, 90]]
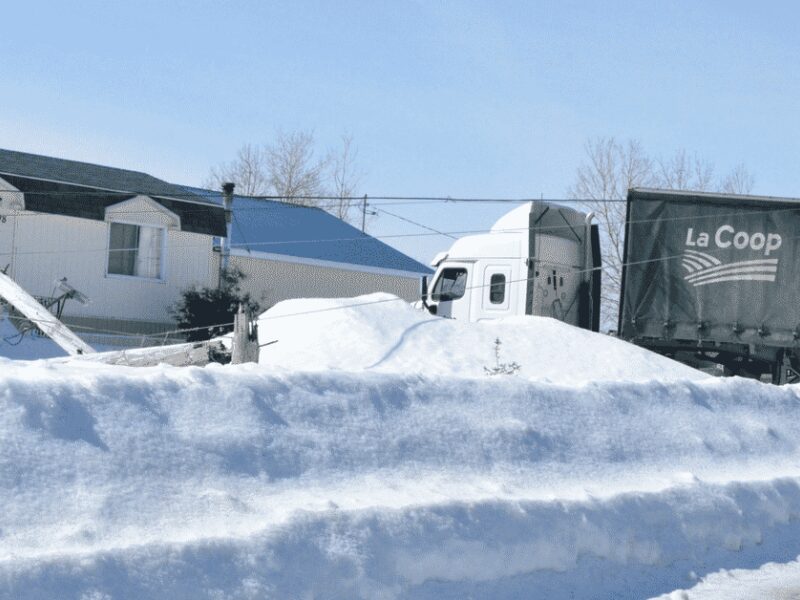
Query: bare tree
[[738, 181], [345, 177], [296, 175], [680, 172], [603, 180], [291, 170], [248, 171]]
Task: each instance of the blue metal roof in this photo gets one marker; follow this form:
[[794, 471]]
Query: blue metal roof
[[290, 230]]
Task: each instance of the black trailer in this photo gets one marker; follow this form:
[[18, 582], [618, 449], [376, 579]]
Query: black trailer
[[714, 278]]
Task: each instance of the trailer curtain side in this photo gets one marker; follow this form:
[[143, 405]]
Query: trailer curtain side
[[709, 267]]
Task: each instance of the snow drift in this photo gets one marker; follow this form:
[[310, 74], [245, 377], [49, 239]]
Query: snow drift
[[770, 582], [381, 333], [265, 482]]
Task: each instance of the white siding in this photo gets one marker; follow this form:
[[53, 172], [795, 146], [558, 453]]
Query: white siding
[[42, 248], [142, 211], [49, 247], [270, 281], [10, 197], [6, 237]]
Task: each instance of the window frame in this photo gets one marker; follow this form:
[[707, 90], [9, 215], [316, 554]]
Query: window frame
[[162, 273], [490, 271], [449, 298], [500, 285]]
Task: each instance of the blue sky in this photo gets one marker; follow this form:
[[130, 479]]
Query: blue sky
[[442, 98]]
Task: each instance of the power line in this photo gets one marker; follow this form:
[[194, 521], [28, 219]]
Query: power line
[[211, 196], [155, 335], [472, 287], [431, 232], [297, 200], [431, 229], [266, 317], [291, 201]]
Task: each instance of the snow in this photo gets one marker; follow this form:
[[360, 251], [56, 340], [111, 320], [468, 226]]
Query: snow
[[345, 466], [378, 333], [11, 292], [33, 346], [28, 347], [770, 582]]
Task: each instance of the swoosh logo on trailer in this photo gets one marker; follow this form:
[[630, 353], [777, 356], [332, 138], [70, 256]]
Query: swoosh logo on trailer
[[704, 269]]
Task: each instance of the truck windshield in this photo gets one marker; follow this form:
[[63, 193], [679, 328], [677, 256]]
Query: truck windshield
[[450, 285]]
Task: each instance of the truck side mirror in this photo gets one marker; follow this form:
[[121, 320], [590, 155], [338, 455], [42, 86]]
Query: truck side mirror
[[423, 295]]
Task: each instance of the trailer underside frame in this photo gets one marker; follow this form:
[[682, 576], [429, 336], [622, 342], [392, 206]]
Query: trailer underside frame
[[778, 365]]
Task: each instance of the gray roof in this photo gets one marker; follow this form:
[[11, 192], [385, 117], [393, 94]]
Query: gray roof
[[48, 168], [84, 190]]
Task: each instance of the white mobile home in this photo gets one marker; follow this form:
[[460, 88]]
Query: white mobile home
[[132, 243], [127, 240]]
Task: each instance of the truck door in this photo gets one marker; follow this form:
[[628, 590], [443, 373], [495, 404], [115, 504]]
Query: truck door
[[449, 292]]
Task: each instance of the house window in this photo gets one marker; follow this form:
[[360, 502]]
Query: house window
[[135, 250], [497, 288]]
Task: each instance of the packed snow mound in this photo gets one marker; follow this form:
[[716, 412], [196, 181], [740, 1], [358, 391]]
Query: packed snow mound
[[382, 333], [239, 482], [772, 581]]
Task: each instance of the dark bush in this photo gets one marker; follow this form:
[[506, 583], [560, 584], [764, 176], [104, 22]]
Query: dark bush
[[208, 311]]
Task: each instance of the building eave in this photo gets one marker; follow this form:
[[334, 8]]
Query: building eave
[[244, 253]]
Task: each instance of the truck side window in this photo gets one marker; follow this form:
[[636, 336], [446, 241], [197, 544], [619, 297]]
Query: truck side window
[[450, 285], [497, 288]]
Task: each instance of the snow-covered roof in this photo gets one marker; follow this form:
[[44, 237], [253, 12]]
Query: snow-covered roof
[[279, 230]]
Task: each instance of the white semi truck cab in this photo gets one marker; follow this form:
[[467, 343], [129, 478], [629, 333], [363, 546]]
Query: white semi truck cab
[[539, 259]]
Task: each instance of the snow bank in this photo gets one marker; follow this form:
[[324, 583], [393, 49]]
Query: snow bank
[[235, 482], [381, 333], [369, 456], [770, 582]]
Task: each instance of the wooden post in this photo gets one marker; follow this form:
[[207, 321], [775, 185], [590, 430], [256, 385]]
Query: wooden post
[[225, 250], [364, 214], [245, 338]]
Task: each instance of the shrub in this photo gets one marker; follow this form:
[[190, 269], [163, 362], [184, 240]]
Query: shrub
[[500, 368], [208, 311]]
